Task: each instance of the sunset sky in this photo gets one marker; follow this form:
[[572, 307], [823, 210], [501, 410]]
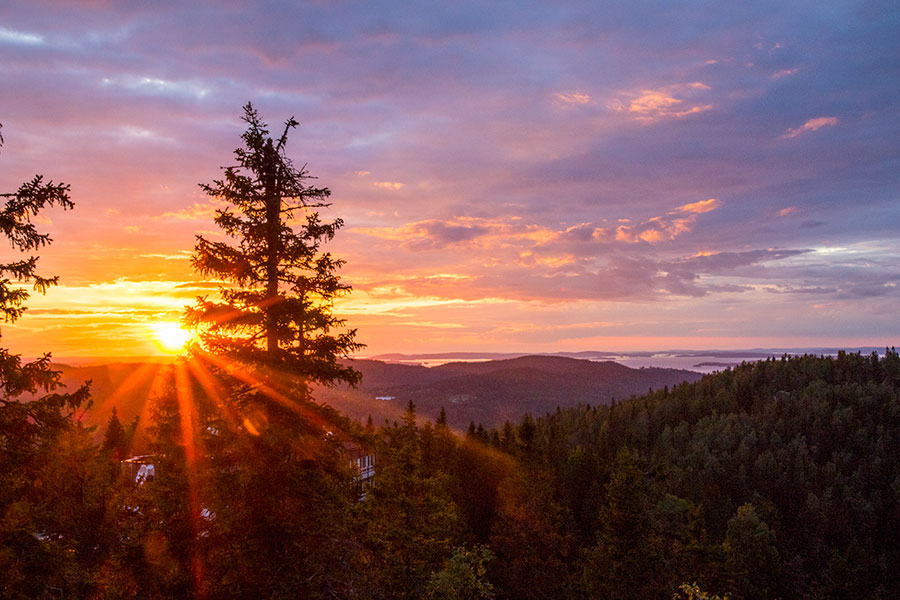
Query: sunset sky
[[513, 176]]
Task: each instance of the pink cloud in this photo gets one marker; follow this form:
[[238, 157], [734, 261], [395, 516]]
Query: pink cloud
[[811, 125], [572, 98], [511, 233], [784, 73], [787, 211]]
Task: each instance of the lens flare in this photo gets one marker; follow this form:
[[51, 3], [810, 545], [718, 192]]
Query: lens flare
[[170, 336]]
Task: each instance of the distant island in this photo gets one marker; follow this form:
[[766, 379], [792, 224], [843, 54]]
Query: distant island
[[749, 353]]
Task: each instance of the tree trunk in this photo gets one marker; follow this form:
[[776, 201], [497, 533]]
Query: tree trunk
[[273, 224]]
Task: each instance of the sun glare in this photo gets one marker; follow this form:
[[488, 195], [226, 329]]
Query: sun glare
[[170, 336]]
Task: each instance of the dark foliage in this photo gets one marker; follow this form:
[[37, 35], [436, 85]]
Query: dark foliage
[[774, 479]]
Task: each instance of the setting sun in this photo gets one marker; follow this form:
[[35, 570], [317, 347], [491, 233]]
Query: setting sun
[[170, 336]]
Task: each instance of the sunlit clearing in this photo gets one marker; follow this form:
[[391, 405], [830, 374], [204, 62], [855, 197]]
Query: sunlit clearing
[[170, 337]]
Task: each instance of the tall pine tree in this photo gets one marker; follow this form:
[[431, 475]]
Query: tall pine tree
[[274, 315], [275, 479]]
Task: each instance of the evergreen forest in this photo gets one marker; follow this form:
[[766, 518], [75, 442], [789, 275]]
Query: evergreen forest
[[777, 479]]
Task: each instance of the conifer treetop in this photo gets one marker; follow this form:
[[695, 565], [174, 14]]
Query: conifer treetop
[[274, 311]]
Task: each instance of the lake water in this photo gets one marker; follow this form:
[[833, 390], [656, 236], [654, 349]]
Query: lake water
[[701, 361], [706, 363], [701, 364]]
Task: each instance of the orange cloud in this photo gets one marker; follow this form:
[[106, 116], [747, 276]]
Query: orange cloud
[[663, 229], [511, 233], [671, 101], [786, 211], [389, 185], [699, 207], [653, 236], [183, 255], [114, 315], [530, 259], [811, 125], [199, 211]]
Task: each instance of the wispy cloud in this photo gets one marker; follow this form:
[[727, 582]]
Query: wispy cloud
[[145, 84], [699, 207], [781, 73], [11, 36], [513, 232], [811, 125], [183, 255], [666, 228], [572, 98], [389, 185], [199, 211], [787, 210], [671, 101]]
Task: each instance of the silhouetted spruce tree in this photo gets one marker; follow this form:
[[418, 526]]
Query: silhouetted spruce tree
[[275, 312], [31, 430], [115, 438], [277, 482]]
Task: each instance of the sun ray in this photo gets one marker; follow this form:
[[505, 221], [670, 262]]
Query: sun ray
[[234, 370], [189, 419], [145, 371], [297, 408], [202, 375]]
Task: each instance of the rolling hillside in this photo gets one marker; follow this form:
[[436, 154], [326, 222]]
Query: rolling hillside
[[488, 392], [491, 392]]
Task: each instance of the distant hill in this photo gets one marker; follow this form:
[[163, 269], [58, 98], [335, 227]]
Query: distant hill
[[128, 386], [493, 391], [487, 392]]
